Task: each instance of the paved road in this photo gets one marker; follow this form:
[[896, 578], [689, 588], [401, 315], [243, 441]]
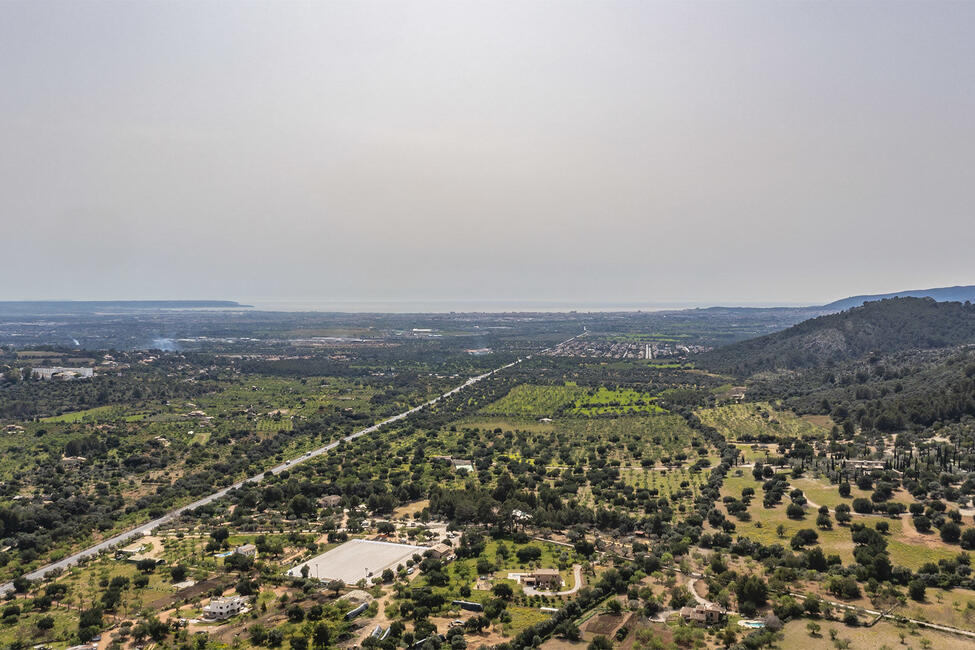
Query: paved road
[[700, 599], [147, 527]]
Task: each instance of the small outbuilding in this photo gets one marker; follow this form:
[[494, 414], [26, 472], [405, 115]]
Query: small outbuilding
[[441, 551]]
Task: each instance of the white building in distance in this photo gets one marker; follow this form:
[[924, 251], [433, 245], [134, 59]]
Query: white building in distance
[[58, 372]]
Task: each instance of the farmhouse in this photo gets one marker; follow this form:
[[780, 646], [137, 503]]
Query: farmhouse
[[706, 614], [548, 579], [440, 550], [246, 549], [221, 608], [331, 500]]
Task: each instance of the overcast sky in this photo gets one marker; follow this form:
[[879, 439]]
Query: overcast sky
[[574, 151]]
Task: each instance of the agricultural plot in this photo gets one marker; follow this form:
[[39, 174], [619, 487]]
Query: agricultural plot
[[758, 421], [955, 608], [528, 400], [270, 425], [646, 441], [672, 484], [97, 414], [880, 635], [752, 452], [904, 545], [30, 630], [508, 424], [604, 401]]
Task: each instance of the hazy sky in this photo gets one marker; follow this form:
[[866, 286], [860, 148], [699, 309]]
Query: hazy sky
[[580, 151]]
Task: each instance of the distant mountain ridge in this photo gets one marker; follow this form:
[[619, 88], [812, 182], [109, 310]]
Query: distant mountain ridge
[[941, 294], [883, 326]]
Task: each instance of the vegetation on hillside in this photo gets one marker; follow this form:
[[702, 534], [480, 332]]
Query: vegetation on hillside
[[885, 326]]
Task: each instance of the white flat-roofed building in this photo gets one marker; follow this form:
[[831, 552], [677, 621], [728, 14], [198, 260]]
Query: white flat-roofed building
[[221, 608]]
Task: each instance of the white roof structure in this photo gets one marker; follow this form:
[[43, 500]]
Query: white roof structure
[[357, 559]]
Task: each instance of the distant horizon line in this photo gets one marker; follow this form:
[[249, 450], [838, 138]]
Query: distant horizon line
[[452, 305], [427, 305]]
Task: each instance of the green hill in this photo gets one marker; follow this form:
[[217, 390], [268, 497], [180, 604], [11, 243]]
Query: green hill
[[883, 327]]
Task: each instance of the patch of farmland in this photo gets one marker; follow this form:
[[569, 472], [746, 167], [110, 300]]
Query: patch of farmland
[[536, 401], [648, 441], [756, 421], [605, 401]]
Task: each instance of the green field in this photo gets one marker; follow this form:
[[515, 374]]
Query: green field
[[604, 401], [903, 548], [649, 440], [536, 401], [752, 421], [527, 400], [96, 414]]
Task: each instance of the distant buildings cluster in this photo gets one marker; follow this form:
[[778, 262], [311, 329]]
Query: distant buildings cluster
[[609, 349]]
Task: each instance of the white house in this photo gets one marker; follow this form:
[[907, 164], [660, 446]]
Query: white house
[[246, 549], [221, 608]]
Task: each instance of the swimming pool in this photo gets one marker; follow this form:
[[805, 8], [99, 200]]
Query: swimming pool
[[752, 624]]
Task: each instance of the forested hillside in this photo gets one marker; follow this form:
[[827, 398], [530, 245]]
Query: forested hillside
[[885, 326], [886, 393]]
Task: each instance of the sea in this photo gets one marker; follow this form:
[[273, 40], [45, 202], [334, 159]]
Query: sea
[[433, 306]]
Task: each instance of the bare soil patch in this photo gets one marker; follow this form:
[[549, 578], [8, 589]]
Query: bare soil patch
[[199, 589], [607, 624]]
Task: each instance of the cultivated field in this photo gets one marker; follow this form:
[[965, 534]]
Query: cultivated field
[[758, 421]]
